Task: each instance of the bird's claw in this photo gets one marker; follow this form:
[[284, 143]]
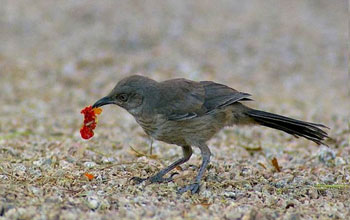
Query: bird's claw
[[138, 180], [153, 179], [194, 188]]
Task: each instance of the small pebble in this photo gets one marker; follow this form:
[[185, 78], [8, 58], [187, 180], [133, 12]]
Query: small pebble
[[108, 159], [36, 191], [65, 165], [39, 162], [89, 164], [34, 172], [231, 195], [3, 177], [20, 169], [93, 202], [105, 204], [339, 161], [327, 179], [325, 155]]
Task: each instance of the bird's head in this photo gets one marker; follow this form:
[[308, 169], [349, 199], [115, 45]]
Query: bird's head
[[129, 93]]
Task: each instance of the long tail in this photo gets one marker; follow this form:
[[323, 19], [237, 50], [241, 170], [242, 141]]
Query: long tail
[[294, 127]]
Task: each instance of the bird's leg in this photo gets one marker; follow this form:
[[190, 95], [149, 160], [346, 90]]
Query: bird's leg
[[158, 178], [151, 146], [194, 187]]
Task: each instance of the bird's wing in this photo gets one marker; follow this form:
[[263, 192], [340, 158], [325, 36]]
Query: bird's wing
[[218, 95], [183, 99]]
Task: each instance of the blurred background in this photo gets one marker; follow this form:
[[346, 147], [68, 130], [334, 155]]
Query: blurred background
[[66, 54], [58, 56]]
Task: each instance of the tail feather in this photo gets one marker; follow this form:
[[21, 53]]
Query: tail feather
[[291, 126]]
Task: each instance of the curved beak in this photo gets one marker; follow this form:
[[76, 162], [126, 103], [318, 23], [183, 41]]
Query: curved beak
[[104, 101]]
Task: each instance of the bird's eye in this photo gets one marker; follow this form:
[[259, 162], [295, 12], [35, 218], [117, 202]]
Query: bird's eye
[[123, 97]]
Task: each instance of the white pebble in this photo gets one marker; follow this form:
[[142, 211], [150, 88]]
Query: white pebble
[[326, 154], [89, 164], [108, 159], [93, 202], [339, 161]]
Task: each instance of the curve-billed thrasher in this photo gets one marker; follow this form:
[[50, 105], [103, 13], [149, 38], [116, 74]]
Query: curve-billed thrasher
[[189, 113]]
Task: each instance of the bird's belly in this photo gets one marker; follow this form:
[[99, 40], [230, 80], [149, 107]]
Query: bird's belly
[[167, 132], [186, 132]]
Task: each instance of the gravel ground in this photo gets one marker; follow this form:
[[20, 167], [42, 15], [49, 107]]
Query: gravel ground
[[58, 56]]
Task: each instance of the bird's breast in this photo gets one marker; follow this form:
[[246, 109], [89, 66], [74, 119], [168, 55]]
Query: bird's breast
[[149, 124]]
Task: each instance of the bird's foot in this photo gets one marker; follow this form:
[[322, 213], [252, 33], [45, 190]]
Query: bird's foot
[[194, 188], [137, 180], [153, 179]]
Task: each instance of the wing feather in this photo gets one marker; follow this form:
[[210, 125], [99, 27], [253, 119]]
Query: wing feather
[[183, 99]]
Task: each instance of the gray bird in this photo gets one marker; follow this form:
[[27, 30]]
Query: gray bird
[[189, 113]]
